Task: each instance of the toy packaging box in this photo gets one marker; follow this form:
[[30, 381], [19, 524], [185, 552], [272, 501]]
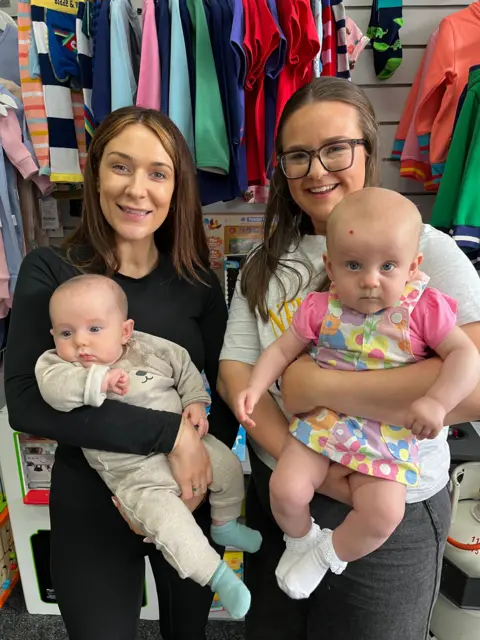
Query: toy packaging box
[[231, 237], [8, 560], [37, 457]]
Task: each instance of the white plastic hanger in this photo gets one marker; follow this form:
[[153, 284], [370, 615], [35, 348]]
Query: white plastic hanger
[[5, 102], [6, 19]]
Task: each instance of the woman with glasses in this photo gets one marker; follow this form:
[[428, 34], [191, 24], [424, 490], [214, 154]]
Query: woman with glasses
[[327, 147]]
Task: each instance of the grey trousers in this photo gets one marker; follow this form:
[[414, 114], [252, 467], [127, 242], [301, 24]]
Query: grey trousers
[[150, 498], [388, 595]]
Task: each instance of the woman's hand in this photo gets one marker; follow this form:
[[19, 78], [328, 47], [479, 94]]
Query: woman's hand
[[190, 462]]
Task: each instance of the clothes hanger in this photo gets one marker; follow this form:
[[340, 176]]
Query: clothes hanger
[[6, 19], [5, 102]]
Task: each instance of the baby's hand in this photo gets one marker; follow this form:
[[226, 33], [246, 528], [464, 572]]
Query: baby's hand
[[197, 414], [244, 406], [116, 381], [425, 418]]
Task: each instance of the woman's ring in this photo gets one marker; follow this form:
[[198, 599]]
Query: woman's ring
[[194, 489]]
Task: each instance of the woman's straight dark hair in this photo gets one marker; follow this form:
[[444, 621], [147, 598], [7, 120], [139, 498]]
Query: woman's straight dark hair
[[285, 223]]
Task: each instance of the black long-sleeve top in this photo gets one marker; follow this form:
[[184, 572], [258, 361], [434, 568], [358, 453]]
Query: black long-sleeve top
[[191, 314]]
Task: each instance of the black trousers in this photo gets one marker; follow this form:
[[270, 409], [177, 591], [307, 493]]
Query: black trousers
[[388, 595], [98, 569]]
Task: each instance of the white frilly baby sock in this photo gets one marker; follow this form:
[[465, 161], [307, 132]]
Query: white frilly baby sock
[[304, 575], [295, 548]]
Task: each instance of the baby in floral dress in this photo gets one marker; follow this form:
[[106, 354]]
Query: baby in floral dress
[[378, 313]]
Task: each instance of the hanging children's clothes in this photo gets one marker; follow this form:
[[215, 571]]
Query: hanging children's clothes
[[32, 90], [149, 85], [54, 34], [125, 37], [180, 101], [239, 69], [457, 205], [386, 20], [85, 63], [189, 47], [338, 14], [273, 68], [414, 160], [317, 16], [296, 20], [102, 81], [163, 22], [16, 142], [356, 42], [211, 142], [10, 220], [9, 65], [5, 298], [329, 41], [215, 187], [262, 38], [455, 51]]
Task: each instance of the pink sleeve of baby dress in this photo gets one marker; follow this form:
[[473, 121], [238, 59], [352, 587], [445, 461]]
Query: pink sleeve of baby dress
[[307, 321], [148, 93], [432, 320]]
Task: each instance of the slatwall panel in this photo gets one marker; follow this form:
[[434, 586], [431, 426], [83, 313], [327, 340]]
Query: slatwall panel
[[388, 97]]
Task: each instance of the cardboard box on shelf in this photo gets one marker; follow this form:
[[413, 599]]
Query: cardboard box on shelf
[[231, 235]]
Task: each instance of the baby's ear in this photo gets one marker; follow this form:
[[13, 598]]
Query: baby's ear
[[127, 331], [415, 265], [328, 265]]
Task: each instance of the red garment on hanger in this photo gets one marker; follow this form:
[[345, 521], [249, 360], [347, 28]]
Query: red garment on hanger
[[298, 25], [329, 43], [261, 39]]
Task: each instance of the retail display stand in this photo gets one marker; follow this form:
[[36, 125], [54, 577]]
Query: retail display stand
[[26, 463]]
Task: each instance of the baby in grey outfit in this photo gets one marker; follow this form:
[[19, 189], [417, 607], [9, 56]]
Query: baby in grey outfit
[[98, 356]]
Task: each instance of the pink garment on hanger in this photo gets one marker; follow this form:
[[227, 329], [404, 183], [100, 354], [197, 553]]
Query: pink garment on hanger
[[148, 93], [18, 154], [5, 300], [356, 41]]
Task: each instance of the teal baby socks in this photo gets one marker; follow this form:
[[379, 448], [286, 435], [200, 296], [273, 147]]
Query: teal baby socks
[[234, 534], [233, 594]]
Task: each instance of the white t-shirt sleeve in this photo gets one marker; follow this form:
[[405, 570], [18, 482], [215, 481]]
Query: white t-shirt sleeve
[[242, 341], [451, 272]]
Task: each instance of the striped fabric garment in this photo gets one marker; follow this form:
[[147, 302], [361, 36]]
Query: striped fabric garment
[[61, 103], [84, 52], [338, 12], [317, 16], [329, 46], [32, 91]]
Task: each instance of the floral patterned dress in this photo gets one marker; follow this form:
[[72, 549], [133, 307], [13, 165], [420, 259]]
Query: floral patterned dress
[[354, 341]]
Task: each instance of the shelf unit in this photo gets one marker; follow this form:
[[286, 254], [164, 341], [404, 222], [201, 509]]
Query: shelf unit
[[30, 519]]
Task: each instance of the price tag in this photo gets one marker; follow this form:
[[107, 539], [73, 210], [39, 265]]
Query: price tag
[[49, 213]]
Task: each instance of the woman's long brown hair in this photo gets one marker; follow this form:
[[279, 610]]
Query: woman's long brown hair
[[285, 223], [92, 246]]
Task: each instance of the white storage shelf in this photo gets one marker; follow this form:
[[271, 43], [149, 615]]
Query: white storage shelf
[[28, 520]]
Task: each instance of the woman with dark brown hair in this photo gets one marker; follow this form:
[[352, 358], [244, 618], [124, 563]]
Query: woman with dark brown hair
[[327, 148], [142, 226]]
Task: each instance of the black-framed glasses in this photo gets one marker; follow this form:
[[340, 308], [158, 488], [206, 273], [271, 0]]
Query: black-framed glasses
[[333, 156]]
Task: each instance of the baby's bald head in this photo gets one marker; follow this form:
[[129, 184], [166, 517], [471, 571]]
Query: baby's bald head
[[92, 286], [379, 214]]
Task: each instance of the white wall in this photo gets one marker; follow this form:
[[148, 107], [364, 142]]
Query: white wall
[[388, 97]]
